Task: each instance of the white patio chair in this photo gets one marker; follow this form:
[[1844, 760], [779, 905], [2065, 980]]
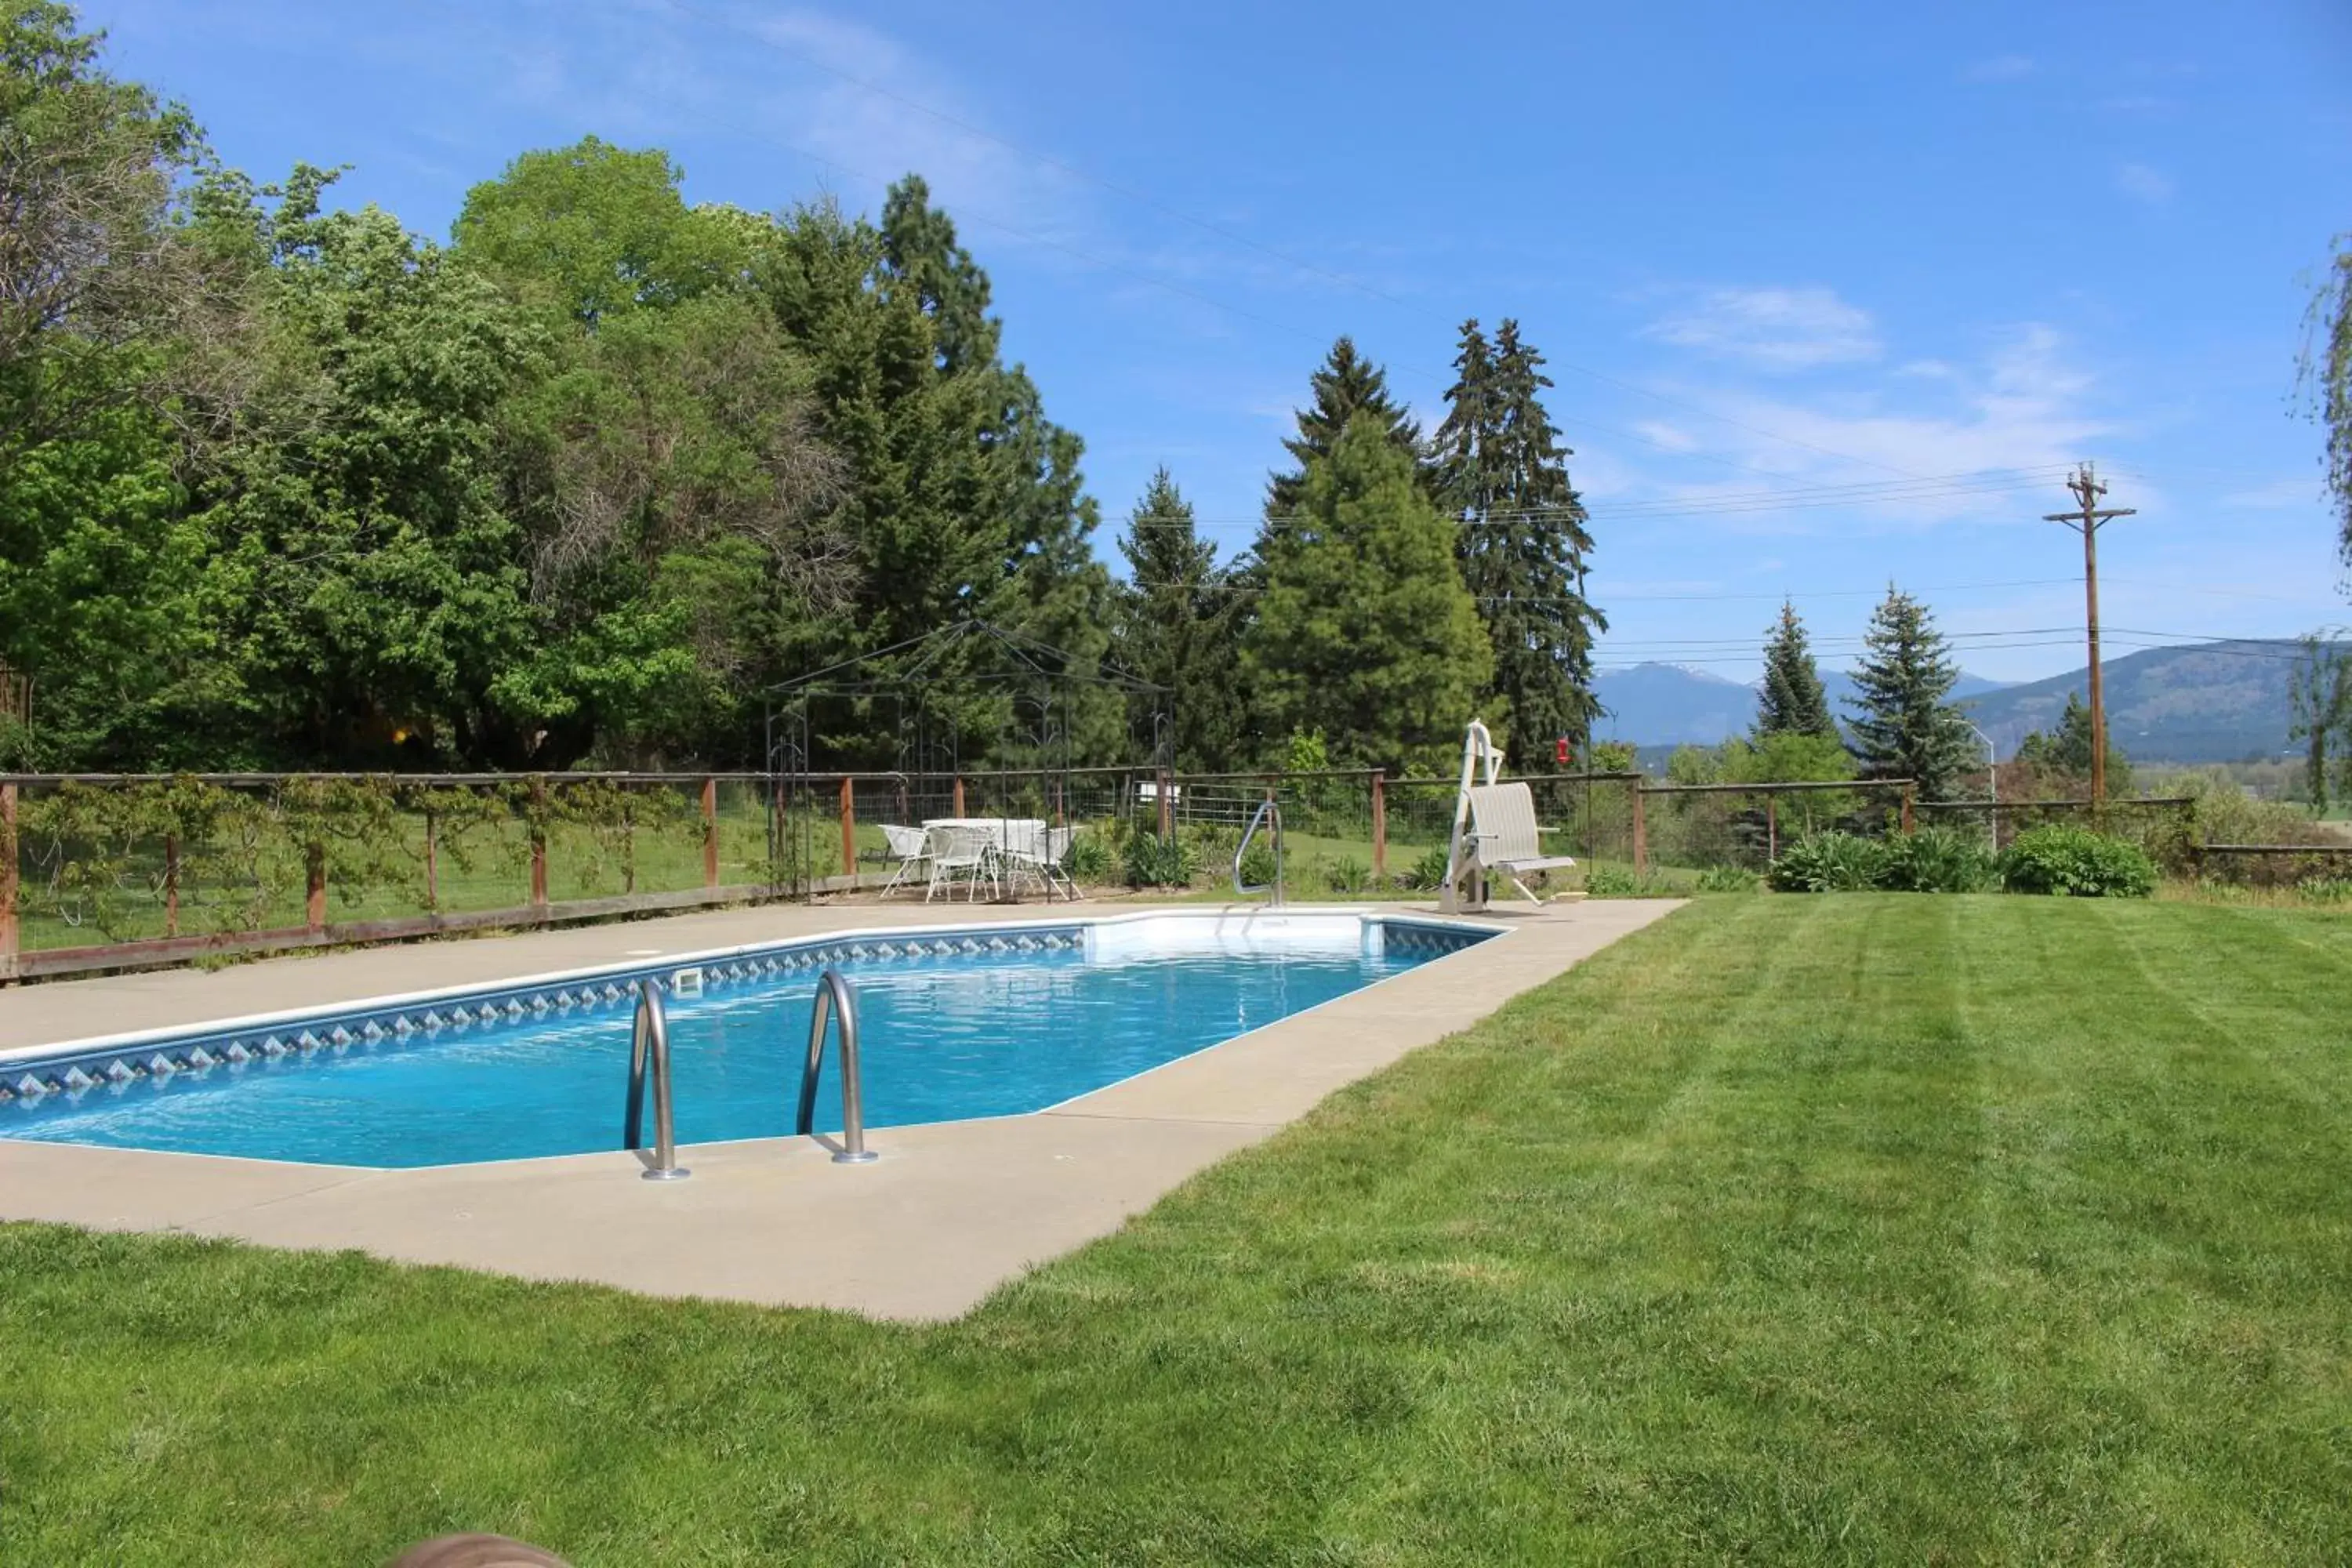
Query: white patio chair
[[1033, 849], [1057, 847], [911, 848], [1503, 835], [960, 852]]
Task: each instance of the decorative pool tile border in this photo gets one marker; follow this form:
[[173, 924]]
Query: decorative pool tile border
[[335, 1033]]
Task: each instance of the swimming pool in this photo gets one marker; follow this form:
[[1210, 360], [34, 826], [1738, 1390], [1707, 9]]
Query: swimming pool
[[956, 1023]]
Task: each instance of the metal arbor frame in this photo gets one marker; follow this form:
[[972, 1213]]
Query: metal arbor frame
[[919, 704]]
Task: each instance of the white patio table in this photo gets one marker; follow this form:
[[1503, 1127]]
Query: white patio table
[[998, 831]]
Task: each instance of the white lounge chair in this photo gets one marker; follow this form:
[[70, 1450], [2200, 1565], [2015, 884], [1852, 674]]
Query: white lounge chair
[[911, 848], [1494, 827], [1504, 836], [960, 852]]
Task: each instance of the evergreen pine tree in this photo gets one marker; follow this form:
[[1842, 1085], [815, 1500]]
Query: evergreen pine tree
[[1905, 728], [922, 258], [1463, 452], [1792, 700], [1176, 625], [1502, 473], [1347, 386], [1364, 630], [2067, 750], [1017, 548]]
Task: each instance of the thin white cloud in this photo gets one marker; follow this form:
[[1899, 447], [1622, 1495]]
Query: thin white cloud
[[1773, 328], [2143, 184], [2023, 403], [2000, 68], [1672, 437]]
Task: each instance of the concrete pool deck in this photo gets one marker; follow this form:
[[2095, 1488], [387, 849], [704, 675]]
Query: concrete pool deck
[[950, 1211]]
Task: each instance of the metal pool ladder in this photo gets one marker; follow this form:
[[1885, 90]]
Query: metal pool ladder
[[649, 1047], [1266, 809], [835, 999]]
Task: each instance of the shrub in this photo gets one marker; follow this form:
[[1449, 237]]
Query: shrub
[[1830, 863], [2077, 863], [1610, 882], [1156, 862], [1257, 866], [1429, 871], [1347, 876], [2325, 890], [1727, 880], [1937, 860], [1088, 858], [1616, 882]]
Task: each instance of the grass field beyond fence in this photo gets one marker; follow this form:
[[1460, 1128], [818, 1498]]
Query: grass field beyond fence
[[1868, 1228]]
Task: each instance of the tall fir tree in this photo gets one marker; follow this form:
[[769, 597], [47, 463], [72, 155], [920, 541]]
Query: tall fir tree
[[1792, 700], [1905, 727], [1057, 592], [1364, 630], [1348, 386], [1176, 626], [1502, 473]]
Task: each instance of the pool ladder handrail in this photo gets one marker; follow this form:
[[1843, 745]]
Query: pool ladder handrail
[[649, 1048], [835, 999], [1266, 808]]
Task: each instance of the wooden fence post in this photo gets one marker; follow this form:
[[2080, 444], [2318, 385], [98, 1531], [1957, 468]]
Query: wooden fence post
[[710, 833], [1380, 822], [432, 860], [8, 932], [1910, 794], [959, 796], [850, 826], [539, 841], [1641, 834], [1771, 827], [171, 884], [314, 899], [1167, 807]]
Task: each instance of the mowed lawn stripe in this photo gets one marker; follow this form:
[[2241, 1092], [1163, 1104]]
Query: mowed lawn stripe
[[1873, 1228], [2169, 1215]]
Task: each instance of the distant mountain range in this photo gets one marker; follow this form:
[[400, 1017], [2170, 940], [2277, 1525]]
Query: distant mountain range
[[2213, 702]]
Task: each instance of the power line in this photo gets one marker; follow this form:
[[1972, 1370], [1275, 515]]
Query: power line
[[1987, 481]]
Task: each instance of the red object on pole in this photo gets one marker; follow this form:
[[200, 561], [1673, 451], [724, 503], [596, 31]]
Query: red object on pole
[[1559, 752]]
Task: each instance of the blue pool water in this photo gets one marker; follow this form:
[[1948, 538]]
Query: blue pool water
[[943, 1038]]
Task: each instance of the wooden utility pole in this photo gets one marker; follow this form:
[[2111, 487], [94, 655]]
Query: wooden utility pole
[[2085, 521]]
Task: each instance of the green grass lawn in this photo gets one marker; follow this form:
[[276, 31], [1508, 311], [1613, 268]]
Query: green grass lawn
[[1878, 1229]]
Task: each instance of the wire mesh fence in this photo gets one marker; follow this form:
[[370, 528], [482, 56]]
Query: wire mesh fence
[[99, 866], [96, 869]]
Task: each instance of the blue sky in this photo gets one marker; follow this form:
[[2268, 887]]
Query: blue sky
[[1770, 250]]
